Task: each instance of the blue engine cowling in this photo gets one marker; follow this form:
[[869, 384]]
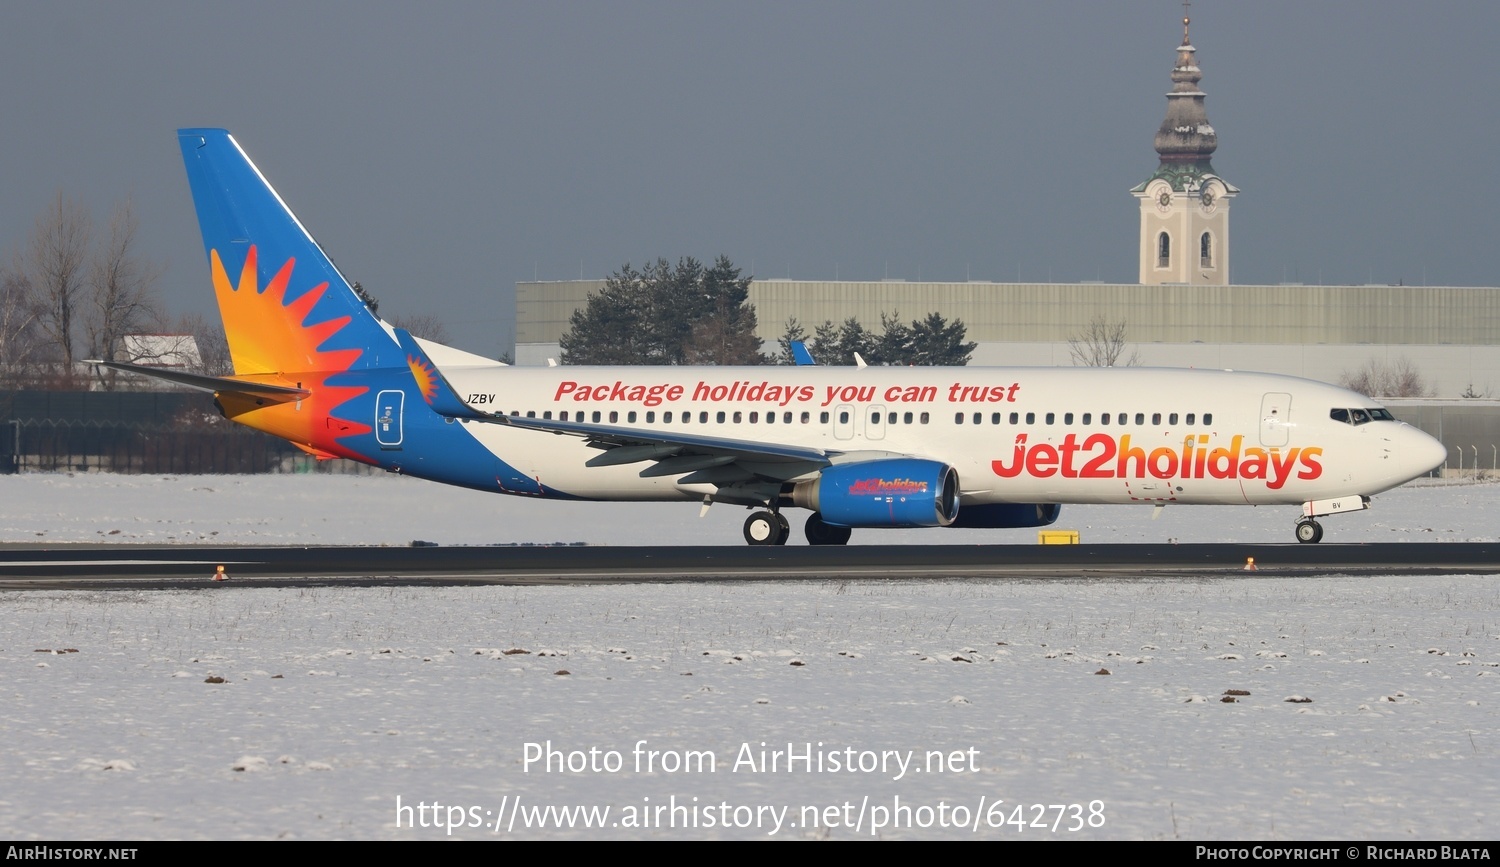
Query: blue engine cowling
[[996, 516], [898, 492]]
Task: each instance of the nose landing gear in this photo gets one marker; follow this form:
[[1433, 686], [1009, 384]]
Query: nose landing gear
[[1309, 530]]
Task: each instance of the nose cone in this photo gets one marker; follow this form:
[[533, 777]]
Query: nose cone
[[1420, 453]]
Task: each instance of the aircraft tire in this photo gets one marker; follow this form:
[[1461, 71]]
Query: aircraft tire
[[763, 528], [1309, 531], [819, 532]]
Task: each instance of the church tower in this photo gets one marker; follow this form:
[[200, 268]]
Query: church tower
[[1184, 205]]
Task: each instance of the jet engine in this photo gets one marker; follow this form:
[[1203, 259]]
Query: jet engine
[[895, 492]]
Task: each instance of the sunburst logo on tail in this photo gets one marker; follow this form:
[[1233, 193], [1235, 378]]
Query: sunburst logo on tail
[[425, 375], [270, 337]]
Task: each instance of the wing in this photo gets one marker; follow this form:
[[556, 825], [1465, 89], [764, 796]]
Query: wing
[[698, 459]]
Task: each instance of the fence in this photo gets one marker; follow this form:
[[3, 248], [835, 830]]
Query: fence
[[42, 445], [162, 432]]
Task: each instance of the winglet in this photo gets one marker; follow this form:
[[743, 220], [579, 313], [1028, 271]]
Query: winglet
[[800, 355], [431, 384]]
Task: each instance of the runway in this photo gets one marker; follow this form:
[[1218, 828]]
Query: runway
[[187, 566]]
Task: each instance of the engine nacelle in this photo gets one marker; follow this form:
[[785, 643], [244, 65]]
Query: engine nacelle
[[897, 492], [998, 516]]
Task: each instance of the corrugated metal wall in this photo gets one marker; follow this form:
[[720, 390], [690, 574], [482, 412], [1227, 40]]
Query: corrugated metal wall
[[1047, 312]]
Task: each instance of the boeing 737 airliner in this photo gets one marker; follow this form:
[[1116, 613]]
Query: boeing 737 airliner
[[858, 447]]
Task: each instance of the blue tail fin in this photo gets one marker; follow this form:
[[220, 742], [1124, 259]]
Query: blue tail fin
[[286, 307]]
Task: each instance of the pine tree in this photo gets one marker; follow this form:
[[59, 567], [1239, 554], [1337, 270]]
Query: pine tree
[[666, 314]]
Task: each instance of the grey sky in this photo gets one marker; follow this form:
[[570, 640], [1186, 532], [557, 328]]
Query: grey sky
[[443, 151]]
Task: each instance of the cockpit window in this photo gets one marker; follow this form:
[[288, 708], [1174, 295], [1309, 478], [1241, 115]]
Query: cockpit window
[[1361, 416]]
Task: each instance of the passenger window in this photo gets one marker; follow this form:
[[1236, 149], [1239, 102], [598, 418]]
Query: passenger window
[[613, 416], [1140, 418], [650, 417], [1172, 419], [737, 418], [531, 413], [719, 417], [823, 417], [754, 417], [770, 418], [1015, 418], [995, 418], [907, 418], [1208, 418], [1050, 417], [1087, 418], [1067, 418], [1031, 418], [978, 418], [596, 416], [1156, 418], [1190, 417], [562, 416], [786, 418], [630, 417], [844, 417], [1104, 418], [807, 416], [924, 418], [667, 417], [703, 418], [958, 418]]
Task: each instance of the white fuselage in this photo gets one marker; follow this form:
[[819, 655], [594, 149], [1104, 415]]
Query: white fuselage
[[1014, 435]]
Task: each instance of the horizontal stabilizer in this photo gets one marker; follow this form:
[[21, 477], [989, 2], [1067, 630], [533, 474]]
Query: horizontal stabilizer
[[212, 383]]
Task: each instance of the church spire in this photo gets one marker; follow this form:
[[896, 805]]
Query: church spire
[[1185, 135]]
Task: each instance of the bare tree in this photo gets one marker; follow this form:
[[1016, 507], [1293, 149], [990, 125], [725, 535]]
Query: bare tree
[[122, 292], [54, 270], [213, 349], [1381, 379], [423, 325], [1101, 345], [20, 336]]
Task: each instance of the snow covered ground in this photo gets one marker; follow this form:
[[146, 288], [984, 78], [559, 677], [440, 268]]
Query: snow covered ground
[[392, 510], [1369, 708]]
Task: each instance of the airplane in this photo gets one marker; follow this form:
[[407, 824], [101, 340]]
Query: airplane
[[864, 447]]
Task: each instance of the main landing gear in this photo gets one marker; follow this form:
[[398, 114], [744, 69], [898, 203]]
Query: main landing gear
[[771, 528], [767, 528], [1309, 530]]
